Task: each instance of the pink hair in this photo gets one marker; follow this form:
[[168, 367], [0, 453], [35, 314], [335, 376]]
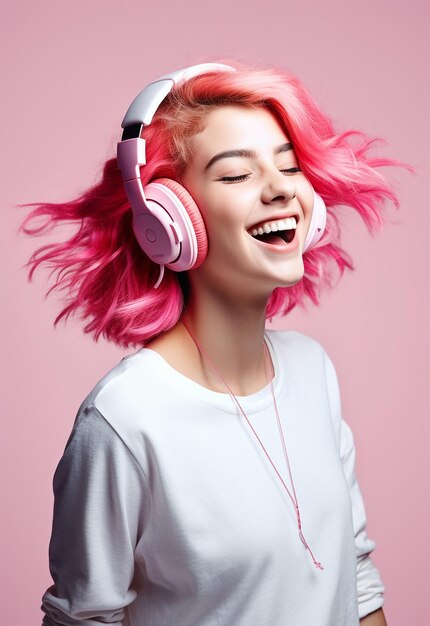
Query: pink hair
[[107, 276]]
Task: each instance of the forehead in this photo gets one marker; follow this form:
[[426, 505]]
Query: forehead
[[234, 127]]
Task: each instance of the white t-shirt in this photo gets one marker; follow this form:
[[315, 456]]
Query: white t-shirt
[[168, 512]]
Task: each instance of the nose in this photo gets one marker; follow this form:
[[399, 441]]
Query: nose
[[278, 188]]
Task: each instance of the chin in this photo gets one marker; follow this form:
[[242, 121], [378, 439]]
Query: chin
[[293, 277], [289, 283]]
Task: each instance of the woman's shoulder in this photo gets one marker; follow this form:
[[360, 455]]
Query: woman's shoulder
[[117, 377], [302, 356], [295, 343], [128, 391]]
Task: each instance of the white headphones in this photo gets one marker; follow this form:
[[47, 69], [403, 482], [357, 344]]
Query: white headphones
[[166, 220]]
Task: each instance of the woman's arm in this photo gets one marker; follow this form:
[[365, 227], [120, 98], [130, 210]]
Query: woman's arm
[[370, 588], [100, 498], [376, 618]]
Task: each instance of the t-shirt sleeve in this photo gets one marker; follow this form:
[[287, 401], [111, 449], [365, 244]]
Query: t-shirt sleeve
[[370, 588], [100, 497]]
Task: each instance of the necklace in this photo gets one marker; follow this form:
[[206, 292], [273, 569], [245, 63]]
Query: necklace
[[281, 433]]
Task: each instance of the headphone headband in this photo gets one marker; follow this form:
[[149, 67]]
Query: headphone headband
[[143, 108]]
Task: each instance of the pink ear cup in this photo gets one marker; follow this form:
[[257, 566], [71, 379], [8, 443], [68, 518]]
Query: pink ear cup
[[166, 231], [317, 224], [192, 210]]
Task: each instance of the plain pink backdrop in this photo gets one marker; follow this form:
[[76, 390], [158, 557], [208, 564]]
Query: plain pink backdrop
[[69, 72]]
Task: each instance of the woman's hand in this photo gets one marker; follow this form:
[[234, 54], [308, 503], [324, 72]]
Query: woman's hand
[[377, 618]]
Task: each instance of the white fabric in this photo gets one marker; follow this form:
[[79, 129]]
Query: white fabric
[[168, 512]]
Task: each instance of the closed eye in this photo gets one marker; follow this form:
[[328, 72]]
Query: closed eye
[[228, 179]]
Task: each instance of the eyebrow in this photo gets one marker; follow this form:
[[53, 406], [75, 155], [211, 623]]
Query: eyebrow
[[285, 147]]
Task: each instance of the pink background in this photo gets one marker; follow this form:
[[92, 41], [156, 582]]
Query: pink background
[[70, 70]]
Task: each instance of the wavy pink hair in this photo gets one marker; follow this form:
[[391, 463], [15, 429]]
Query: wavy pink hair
[[110, 280]]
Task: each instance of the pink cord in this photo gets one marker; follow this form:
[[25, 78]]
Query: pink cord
[[233, 397]]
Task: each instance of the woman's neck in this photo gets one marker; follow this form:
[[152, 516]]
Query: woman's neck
[[230, 330], [232, 336]]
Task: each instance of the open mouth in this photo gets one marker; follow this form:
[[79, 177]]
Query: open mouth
[[281, 232]]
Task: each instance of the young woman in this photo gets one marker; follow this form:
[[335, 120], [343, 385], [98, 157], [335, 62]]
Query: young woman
[[209, 477]]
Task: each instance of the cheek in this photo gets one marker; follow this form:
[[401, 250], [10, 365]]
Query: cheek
[[216, 219], [226, 211], [225, 231]]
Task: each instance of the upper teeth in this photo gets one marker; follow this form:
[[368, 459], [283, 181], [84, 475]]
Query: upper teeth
[[271, 227]]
